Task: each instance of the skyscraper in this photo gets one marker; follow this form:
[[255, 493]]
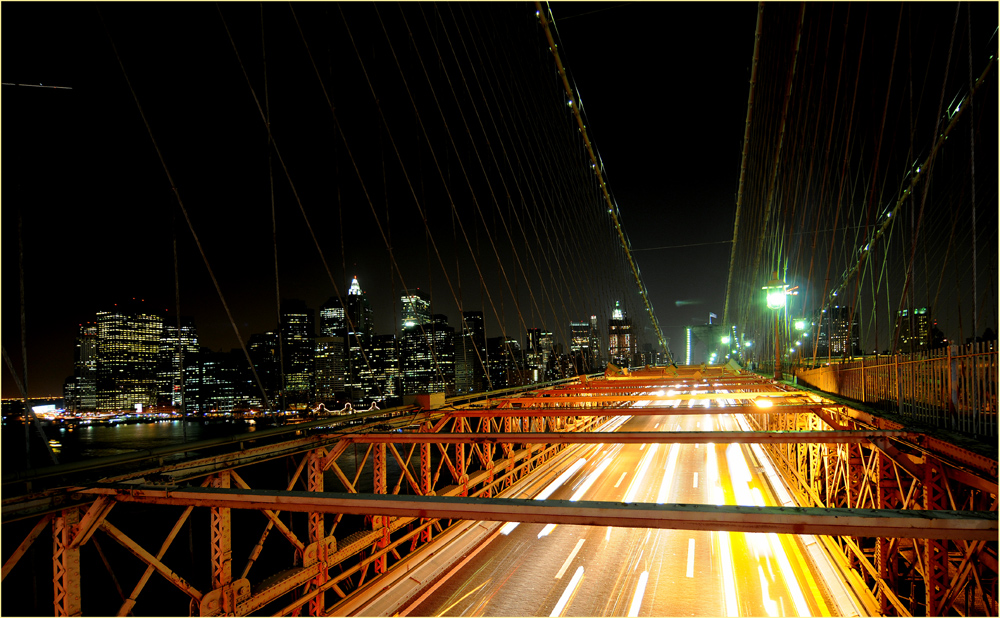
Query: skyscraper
[[128, 346], [264, 350], [331, 368], [297, 340], [85, 368], [427, 357], [538, 352], [913, 329], [621, 339], [332, 318], [470, 355], [416, 308], [217, 392], [382, 380], [838, 332], [359, 311], [360, 329], [178, 348], [580, 345]]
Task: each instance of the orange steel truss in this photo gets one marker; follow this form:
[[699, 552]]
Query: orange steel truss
[[233, 494]]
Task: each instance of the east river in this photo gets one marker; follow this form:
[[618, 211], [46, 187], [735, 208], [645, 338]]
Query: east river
[[94, 441]]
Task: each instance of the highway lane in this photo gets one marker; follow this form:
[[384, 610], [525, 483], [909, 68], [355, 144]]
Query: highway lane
[[539, 570]]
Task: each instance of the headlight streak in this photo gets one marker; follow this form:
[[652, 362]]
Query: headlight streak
[[725, 550], [768, 543], [668, 475], [507, 528], [637, 481], [570, 588]]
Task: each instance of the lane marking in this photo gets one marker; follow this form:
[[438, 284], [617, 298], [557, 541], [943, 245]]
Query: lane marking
[[696, 480], [620, 480], [690, 569], [656, 425], [572, 555], [642, 447], [607, 535], [640, 588]]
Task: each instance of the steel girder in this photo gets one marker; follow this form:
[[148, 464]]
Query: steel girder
[[904, 576]]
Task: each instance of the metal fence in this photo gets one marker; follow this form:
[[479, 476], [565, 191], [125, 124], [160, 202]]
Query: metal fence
[[953, 388]]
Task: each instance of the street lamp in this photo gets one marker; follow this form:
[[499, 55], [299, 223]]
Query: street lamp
[[776, 290]]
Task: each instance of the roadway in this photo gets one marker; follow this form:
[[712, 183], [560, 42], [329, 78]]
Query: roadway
[[539, 570]]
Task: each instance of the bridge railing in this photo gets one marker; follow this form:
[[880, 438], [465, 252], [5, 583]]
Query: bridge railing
[[953, 388]]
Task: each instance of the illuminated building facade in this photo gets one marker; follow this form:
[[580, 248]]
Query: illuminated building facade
[[128, 348], [264, 350], [427, 357], [838, 332], [621, 338], [380, 379], [332, 319], [584, 344], [503, 360], [331, 369], [470, 355], [913, 329], [416, 309], [218, 377], [360, 328], [178, 347], [298, 345], [82, 395], [538, 353]]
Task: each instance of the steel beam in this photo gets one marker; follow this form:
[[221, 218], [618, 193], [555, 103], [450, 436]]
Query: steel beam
[[644, 411], [66, 564], [938, 524], [25, 545], [679, 396], [633, 437], [149, 559]]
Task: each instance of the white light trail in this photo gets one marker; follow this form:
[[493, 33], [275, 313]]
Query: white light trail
[[696, 480], [589, 481], [637, 481], [640, 588], [546, 530], [668, 475], [564, 599], [548, 491]]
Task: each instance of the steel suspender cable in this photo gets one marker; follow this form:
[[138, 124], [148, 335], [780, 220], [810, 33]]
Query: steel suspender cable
[[612, 209]]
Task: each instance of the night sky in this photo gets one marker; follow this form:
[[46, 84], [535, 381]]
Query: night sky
[[664, 87]]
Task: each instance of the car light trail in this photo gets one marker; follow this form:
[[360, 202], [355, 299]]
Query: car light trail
[[725, 550], [668, 475], [590, 480], [640, 588], [548, 491], [637, 481], [564, 599]]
